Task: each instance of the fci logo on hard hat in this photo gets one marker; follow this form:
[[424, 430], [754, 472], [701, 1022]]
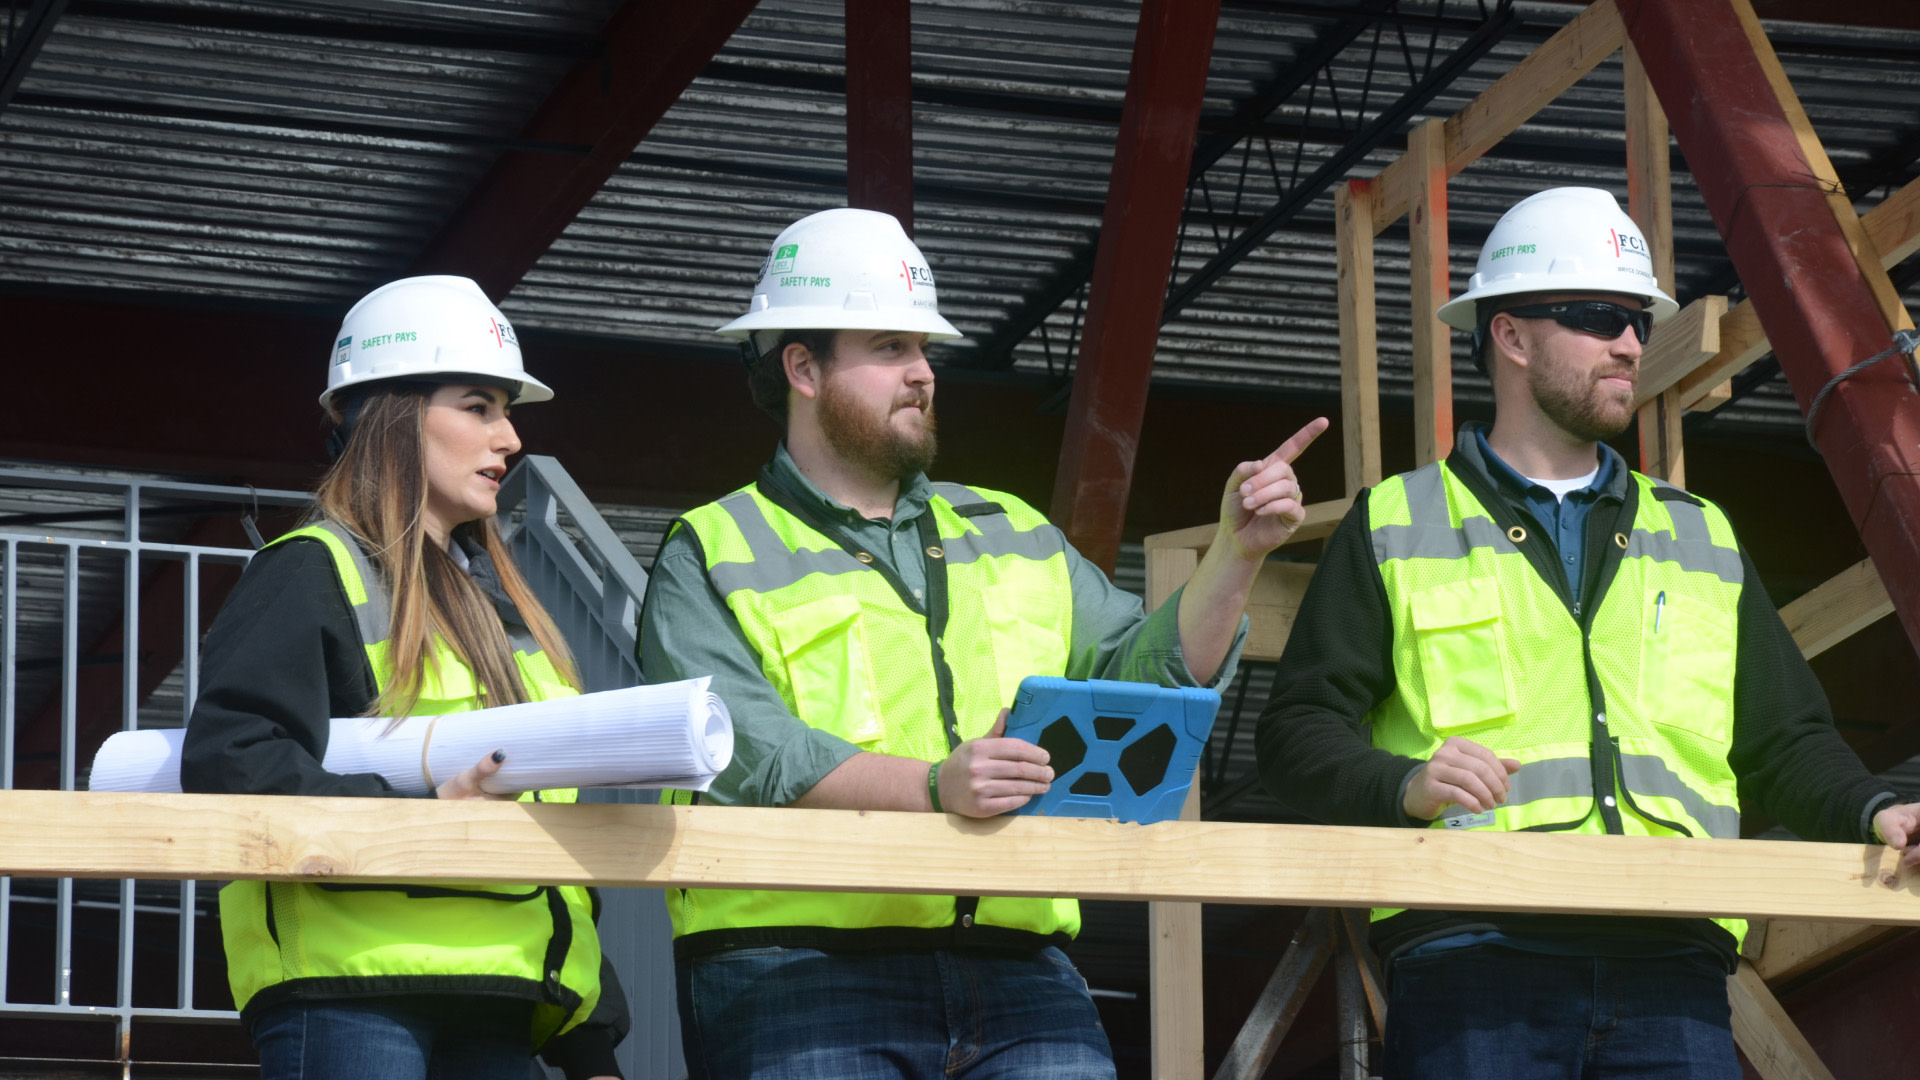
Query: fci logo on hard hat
[[916, 275], [502, 334], [783, 258], [1627, 244], [344, 350]]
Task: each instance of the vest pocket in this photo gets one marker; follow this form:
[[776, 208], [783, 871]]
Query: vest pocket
[[1022, 643], [1686, 665], [824, 646], [1462, 657]]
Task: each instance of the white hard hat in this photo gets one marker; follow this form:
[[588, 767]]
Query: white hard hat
[[1569, 239], [434, 327], [842, 269]]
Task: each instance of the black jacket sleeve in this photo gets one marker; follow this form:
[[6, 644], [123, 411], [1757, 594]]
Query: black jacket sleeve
[[1314, 752], [587, 1050], [1790, 759], [282, 659]]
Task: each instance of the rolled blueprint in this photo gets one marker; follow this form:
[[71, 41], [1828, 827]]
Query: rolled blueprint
[[676, 735]]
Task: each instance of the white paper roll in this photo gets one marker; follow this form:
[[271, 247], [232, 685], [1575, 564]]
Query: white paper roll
[[675, 735]]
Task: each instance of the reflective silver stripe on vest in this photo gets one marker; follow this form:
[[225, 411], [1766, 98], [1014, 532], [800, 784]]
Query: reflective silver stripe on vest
[[1554, 778], [997, 535], [774, 565], [957, 494], [1646, 774], [1431, 534], [374, 618], [1690, 544]]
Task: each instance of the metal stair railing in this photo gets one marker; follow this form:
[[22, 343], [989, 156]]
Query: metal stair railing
[[592, 586], [68, 543]]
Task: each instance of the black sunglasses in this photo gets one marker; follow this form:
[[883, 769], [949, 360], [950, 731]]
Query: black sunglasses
[[1593, 316]]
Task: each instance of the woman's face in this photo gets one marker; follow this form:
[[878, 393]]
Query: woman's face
[[466, 439]]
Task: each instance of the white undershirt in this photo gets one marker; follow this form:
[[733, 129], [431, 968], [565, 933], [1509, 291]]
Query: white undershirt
[[460, 559], [1561, 487]]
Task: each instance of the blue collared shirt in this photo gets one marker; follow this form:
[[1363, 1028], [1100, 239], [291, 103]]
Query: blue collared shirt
[[1564, 519]]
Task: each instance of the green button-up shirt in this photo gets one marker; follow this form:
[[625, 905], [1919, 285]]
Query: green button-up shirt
[[687, 631]]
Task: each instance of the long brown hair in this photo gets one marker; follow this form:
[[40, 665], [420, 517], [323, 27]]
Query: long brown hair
[[377, 490]]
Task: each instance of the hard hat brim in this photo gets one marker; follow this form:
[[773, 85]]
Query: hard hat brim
[[930, 323], [527, 389]]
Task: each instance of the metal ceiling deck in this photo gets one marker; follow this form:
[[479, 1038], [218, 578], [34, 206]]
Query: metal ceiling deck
[[299, 153]]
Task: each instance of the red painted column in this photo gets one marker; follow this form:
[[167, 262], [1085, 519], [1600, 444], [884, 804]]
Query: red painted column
[[1171, 51], [880, 108], [1811, 296]]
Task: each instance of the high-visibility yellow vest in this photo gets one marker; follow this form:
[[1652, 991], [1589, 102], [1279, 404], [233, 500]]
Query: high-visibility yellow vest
[[1621, 715], [532, 942], [851, 653]]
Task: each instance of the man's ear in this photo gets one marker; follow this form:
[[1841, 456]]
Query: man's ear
[[803, 369], [1505, 335]]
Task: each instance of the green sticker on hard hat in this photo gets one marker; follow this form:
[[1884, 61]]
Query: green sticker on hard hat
[[783, 259], [345, 346]]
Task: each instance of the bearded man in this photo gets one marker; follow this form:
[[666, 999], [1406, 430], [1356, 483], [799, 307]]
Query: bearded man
[[867, 628], [1531, 636]]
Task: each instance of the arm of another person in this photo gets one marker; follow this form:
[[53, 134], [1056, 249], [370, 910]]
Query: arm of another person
[[687, 631], [1313, 752], [1788, 755]]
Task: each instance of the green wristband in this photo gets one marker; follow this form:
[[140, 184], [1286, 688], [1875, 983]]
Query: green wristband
[[933, 787]]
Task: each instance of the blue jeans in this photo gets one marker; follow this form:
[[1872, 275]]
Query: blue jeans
[[774, 1013], [1484, 1012], [396, 1038]]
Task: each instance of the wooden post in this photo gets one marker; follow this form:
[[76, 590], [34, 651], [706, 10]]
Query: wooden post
[[1430, 269], [1766, 1033], [1174, 944], [1650, 204], [1359, 352], [1174, 948], [1292, 980]]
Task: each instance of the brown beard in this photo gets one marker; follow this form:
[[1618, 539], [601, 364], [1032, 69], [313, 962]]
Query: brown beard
[[1572, 399], [860, 437]]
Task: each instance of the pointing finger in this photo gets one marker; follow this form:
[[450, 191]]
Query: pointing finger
[[1301, 439]]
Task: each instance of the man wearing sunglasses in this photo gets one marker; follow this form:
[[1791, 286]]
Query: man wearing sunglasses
[[1531, 636]]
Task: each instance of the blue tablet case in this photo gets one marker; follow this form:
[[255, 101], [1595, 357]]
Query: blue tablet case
[[1119, 750]]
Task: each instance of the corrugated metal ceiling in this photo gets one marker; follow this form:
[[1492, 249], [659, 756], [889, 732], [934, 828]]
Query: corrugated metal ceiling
[[303, 152]]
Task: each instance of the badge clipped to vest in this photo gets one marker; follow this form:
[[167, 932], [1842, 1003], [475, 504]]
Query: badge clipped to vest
[[1119, 750]]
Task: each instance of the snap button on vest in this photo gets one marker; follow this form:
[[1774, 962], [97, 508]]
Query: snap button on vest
[[863, 557], [936, 553], [1517, 534], [1620, 541]]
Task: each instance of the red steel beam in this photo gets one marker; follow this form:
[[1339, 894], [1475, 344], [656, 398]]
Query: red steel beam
[[1171, 51], [651, 50], [1813, 300], [880, 108]]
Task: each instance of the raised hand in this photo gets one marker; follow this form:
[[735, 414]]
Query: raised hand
[[1263, 503]]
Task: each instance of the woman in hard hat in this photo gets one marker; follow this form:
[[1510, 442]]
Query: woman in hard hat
[[399, 599]]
